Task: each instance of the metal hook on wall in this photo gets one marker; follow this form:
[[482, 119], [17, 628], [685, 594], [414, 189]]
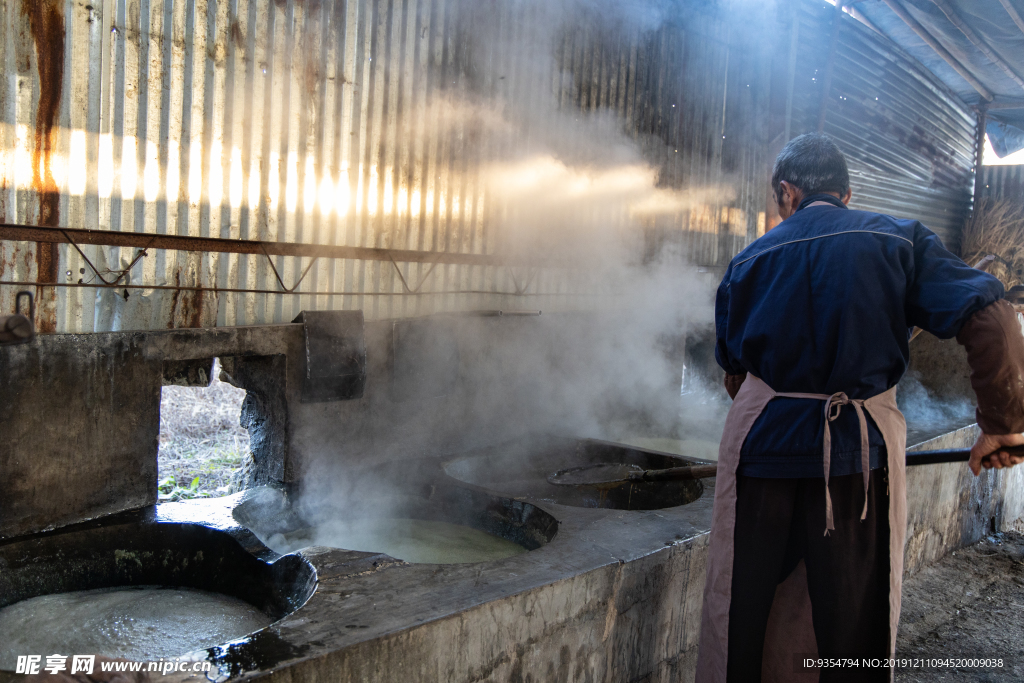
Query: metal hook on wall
[[18, 328], [31, 304]]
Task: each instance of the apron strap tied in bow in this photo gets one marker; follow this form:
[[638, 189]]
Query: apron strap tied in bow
[[833, 406]]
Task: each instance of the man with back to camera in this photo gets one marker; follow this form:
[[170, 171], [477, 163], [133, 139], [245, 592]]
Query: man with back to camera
[[812, 325]]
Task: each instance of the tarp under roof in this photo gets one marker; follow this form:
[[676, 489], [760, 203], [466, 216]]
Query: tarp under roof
[[993, 25]]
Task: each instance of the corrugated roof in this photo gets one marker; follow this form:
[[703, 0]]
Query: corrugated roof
[[978, 36]]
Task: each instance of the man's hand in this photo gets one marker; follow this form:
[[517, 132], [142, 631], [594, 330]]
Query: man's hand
[[985, 452]]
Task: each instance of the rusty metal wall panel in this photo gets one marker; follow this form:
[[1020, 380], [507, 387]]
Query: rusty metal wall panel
[[1003, 182], [909, 140], [324, 122]]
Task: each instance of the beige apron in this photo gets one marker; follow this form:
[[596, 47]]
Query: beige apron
[[790, 630]]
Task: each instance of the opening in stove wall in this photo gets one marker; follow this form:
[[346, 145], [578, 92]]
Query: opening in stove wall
[[264, 415], [203, 443]]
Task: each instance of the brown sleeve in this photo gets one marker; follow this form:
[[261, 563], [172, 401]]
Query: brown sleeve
[[995, 352], [733, 383]]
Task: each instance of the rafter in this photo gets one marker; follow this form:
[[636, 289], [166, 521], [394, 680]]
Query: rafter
[[934, 44]]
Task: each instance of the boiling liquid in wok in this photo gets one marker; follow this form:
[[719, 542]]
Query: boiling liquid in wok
[[138, 623], [413, 540]]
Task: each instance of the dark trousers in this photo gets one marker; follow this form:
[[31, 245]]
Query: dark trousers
[[781, 521]]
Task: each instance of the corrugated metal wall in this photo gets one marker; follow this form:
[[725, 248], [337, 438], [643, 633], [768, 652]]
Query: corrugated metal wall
[[1003, 182], [694, 94], [369, 123], [260, 120], [909, 141], [325, 121]]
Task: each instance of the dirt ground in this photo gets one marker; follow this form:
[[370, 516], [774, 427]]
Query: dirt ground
[[201, 442], [969, 605]]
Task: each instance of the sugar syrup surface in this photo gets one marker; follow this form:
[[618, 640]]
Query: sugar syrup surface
[[139, 623]]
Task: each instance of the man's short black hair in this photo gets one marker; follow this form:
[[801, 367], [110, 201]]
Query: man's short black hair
[[812, 162]]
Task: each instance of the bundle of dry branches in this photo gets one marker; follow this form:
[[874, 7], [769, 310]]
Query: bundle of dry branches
[[997, 228]]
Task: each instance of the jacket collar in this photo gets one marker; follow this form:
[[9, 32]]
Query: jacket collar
[[834, 201]]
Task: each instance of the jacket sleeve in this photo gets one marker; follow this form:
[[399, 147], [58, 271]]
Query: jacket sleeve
[[722, 355], [943, 292], [995, 352], [734, 372]]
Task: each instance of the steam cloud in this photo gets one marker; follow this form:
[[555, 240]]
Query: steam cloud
[[570, 189], [928, 415]]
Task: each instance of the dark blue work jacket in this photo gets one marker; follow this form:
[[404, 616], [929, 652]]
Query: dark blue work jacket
[[824, 303]]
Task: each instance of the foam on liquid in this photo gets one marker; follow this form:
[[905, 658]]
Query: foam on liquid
[[414, 540], [138, 623]]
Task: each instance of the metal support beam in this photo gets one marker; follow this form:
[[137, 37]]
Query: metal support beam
[[850, 9], [1006, 103], [830, 66], [978, 41], [238, 290], [979, 150], [794, 38], [928, 38], [1014, 14], [141, 240]]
